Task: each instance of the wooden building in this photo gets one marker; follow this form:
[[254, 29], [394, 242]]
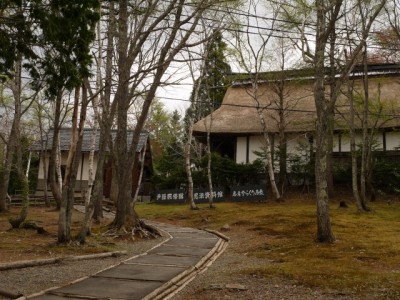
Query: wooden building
[[83, 170], [236, 130]]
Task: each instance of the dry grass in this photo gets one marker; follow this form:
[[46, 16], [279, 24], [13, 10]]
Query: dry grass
[[25, 244], [366, 255]]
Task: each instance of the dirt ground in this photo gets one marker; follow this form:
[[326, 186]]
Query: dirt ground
[[222, 280], [227, 278], [27, 244]]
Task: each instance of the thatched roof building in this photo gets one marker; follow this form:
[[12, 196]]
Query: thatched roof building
[[238, 112]]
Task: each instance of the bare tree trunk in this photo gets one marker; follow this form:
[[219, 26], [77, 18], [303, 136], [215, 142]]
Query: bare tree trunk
[[13, 138], [88, 200], [324, 230], [58, 166], [366, 145], [15, 143], [190, 116], [98, 182], [353, 150], [16, 222], [68, 193], [282, 160], [187, 162], [55, 188], [105, 118], [280, 91], [267, 145], [209, 161], [43, 155], [5, 173], [135, 197], [130, 52]]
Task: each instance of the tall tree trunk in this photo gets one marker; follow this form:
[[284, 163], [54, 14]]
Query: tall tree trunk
[[23, 178], [367, 144], [209, 161], [143, 158], [99, 180], [88, 200], [107, 116], [172, 43], [74, 156], [353, 149], [324, 230], [14, 136], [187, 162], [331, 121], [54, 186], [267, 150], [328, 12], [282, 161], [5, 173], [43, 156], [282, 137], [14, 143], [123, 164]]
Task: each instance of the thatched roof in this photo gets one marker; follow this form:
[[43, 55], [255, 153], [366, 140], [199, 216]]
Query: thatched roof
[[66, 138], [238, 112]]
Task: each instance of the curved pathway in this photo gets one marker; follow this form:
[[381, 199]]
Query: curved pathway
[[157, 274]]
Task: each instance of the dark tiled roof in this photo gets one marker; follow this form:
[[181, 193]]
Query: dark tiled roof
[[66, 137]]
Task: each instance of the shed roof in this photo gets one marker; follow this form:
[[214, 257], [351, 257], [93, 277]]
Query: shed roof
[[66, 138]]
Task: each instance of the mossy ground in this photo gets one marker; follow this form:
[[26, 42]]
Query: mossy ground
[[366, 254]]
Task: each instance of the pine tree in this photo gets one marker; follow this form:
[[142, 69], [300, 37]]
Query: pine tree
[[213, 84]]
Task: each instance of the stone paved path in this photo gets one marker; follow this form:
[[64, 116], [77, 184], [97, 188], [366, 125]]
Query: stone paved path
[[157, 274]]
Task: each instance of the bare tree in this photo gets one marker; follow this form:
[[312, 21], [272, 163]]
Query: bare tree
[[148, 40], [327, 16], [251, 54], [14, 147], [71, 168], [283, 100]]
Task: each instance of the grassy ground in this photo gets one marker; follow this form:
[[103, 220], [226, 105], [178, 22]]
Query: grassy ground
[[366, 254], [26, 244]]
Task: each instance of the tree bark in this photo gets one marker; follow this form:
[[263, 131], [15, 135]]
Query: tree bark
[[267, 147], [15, 144], [88, 200], [54, 186], [187, 162], [353, 149], [209, 161], [74, 156], [143, 158], [324, 230], [107, 115]]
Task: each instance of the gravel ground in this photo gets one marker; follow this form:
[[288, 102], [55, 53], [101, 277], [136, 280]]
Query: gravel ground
[[31, 280], [222, 280]]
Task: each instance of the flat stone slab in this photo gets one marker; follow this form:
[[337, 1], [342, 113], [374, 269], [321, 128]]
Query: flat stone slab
[[172, 229], [174, 250], [54, 297], [196, 243], [154, 259], [103, 288], [200, 235], [137, 277], [142, 272]]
